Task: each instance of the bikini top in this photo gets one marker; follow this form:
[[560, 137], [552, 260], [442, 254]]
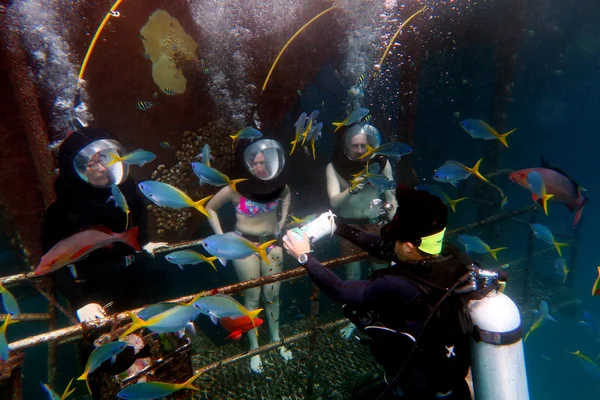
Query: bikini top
[[250, 208]]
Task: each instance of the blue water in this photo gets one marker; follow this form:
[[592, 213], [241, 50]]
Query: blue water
[[555, 100]]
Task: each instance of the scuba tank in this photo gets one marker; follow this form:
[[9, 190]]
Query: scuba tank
[[497, 356]]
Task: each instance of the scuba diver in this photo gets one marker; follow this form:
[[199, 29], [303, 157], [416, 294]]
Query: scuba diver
[[360, 207], [256, 202], [394, 304], [113, 275]]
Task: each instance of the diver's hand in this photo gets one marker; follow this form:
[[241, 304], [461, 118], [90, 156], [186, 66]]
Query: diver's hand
[[151, 247], [358, 187], [90, 312], [295, 245]]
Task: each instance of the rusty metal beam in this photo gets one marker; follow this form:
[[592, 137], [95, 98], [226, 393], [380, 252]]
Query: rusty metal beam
[[76, 330]]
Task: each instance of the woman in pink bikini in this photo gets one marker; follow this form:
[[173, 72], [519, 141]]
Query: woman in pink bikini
[[256, 203]]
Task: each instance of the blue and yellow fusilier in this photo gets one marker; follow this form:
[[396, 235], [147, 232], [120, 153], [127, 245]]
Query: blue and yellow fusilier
[[437, 191], [588, 365], [299, 125], [173, 319], [246, 133], [213, 177], [9, 302], [205, 155], [542, 316], [561, 268], [189, 257], [229, 246], [137, 157], [220, 306], [391, 149], [313, 136], [380, 181], [155, 390], [120, 201], [538, 188], [99, 355], [544, 233], [52, 395], [353, 117], [3, 343], [453, 172], [480, 130], [165, 195], [312, 120], [475, 244]]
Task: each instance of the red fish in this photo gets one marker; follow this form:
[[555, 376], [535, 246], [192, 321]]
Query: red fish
[[239, 325], [79, 245], [558, 183]]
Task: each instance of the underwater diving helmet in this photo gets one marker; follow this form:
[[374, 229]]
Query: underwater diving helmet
[[90, 163], [264, 159], [358, 137]]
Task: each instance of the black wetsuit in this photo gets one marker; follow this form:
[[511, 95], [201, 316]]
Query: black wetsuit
[[391, 299], [103, 276]]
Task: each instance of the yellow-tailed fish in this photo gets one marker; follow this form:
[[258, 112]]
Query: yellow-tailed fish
[[480, 130], [561, 268], [299, 125], [453, 172], [542, 316], [213, 176], [100, 354], [3, 343], [391, 150], [165, 195], [189, 257], [120, 201], [245, 133], [544, 233], [474, 243], [218, 306], [304, 220], [353, 117], [155, 390], [54, 396], [312, 118], [437, 191], [538, 189], [230, 246], [9, 302], [137, 157], [590, 366], [314, 136], [172, 319]]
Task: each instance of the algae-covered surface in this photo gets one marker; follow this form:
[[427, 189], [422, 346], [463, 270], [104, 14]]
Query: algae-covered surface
[[166, 43]]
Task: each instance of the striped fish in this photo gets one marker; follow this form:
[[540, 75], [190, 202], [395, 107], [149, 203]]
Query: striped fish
[[144, 105], [168, 91], [361, 79], [166, 145]]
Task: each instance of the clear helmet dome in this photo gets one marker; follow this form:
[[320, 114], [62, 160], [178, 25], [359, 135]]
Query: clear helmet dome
[[358, 137], [90, 163], [264, 159]]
